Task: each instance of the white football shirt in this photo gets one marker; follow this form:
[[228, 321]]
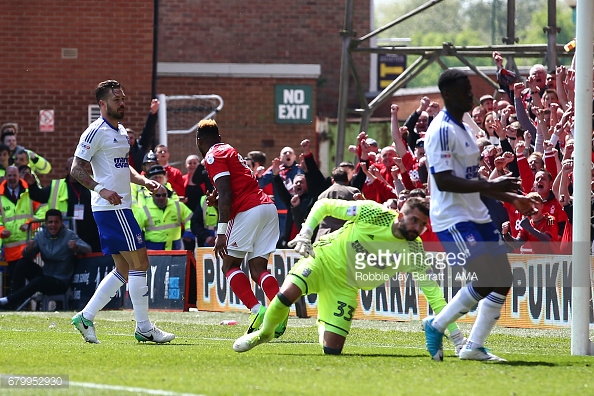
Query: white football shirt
[[451, 146], [106, 147]]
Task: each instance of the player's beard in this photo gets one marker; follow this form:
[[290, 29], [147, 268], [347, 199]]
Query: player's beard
[[114, 113], [408, 235]]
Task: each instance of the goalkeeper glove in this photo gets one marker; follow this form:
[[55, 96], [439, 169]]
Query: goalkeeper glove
[[302, 242]]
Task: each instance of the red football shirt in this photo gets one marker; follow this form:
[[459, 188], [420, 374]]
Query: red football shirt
[[548, 225], [223, 160]]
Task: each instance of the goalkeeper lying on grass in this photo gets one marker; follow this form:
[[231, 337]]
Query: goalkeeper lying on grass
[[345, 261]]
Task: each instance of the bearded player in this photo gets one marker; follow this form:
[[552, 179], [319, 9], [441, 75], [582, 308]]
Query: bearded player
[[335, 267]]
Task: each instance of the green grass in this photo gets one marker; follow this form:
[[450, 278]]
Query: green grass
[[379, 358]]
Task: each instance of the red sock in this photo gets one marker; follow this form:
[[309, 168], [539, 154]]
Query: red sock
[[269, 284], [241, 286]]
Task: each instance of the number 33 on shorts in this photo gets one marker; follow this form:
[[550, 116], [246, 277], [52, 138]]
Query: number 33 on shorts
[[340, 312]]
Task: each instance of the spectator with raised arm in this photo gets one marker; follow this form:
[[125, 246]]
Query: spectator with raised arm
[[418, 120], [307, 188], [289, 168], [147, 140]]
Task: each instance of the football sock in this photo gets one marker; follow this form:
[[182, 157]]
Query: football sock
[[489, 310], [106, 290], [138, 290], [269, 284], [461, 303], [240, 284], [275, 314], [434, 296]]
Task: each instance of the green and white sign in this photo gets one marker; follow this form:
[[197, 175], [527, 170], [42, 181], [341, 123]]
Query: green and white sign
[[293, 104]]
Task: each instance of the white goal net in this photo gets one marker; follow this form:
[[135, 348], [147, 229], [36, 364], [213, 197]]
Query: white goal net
[[178, 118]]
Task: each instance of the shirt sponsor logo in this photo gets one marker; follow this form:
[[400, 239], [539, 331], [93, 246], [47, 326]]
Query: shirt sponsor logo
[[470, 239], [120, 162], [446, 155], [472, 172]]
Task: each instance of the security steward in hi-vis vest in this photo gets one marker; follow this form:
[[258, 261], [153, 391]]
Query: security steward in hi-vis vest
[[204, 223], [72, 199], [140, 195], [162, 220], [17, 210]]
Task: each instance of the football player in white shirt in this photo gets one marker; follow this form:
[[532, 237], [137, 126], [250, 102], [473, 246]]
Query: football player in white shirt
[[462, 221], [104, 146]]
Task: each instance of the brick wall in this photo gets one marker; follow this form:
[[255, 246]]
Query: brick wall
[[265, 31], [113, 41]]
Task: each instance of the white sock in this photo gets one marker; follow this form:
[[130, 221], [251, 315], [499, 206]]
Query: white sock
[[488, 313], [456, 336], [3, 300], [256, 308], [461, 303], [106, 290], [139, 295]]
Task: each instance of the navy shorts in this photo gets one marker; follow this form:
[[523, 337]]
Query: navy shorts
[[472, 240], [118, 231]]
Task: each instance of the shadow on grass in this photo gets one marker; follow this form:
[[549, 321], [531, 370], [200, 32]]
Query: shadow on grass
[[357, 355], [523, 363]]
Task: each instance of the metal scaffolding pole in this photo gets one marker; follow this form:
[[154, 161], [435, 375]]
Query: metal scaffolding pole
[[343, 92]]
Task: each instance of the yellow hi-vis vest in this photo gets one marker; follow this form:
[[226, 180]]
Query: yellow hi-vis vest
[[163, 225], [141, 195], [58, 199], [209, 214]]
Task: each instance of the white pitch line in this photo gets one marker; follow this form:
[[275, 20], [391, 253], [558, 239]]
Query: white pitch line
[[144, 391]]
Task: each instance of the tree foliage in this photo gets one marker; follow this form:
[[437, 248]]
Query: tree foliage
[[470, 23]]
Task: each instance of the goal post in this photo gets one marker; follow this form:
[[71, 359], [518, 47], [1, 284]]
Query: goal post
[[180, 114]]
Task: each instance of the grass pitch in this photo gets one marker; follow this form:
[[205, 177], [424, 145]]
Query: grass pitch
[[379, 358]]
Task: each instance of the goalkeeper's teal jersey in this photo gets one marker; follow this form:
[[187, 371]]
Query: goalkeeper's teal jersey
[[364, 251]]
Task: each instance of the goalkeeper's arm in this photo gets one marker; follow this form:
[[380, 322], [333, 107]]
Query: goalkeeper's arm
[[337, 208]]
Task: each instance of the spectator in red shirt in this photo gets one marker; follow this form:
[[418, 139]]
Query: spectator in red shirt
[[174, 175], [543, 185], [539, 233]]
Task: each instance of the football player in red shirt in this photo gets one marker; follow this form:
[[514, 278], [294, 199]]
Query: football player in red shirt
[[248, 222]]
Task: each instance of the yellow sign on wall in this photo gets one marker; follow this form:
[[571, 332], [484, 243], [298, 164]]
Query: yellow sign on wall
[[540, 296]]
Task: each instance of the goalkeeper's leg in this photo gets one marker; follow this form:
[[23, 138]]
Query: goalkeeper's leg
[[280, 305]]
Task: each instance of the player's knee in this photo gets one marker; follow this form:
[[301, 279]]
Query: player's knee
[[332, 351], [283, 299]]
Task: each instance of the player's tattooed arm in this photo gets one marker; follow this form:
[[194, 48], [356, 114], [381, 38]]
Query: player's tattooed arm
[[79, 171]]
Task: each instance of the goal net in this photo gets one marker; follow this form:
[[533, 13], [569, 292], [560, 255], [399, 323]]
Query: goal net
[[178, 118]]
